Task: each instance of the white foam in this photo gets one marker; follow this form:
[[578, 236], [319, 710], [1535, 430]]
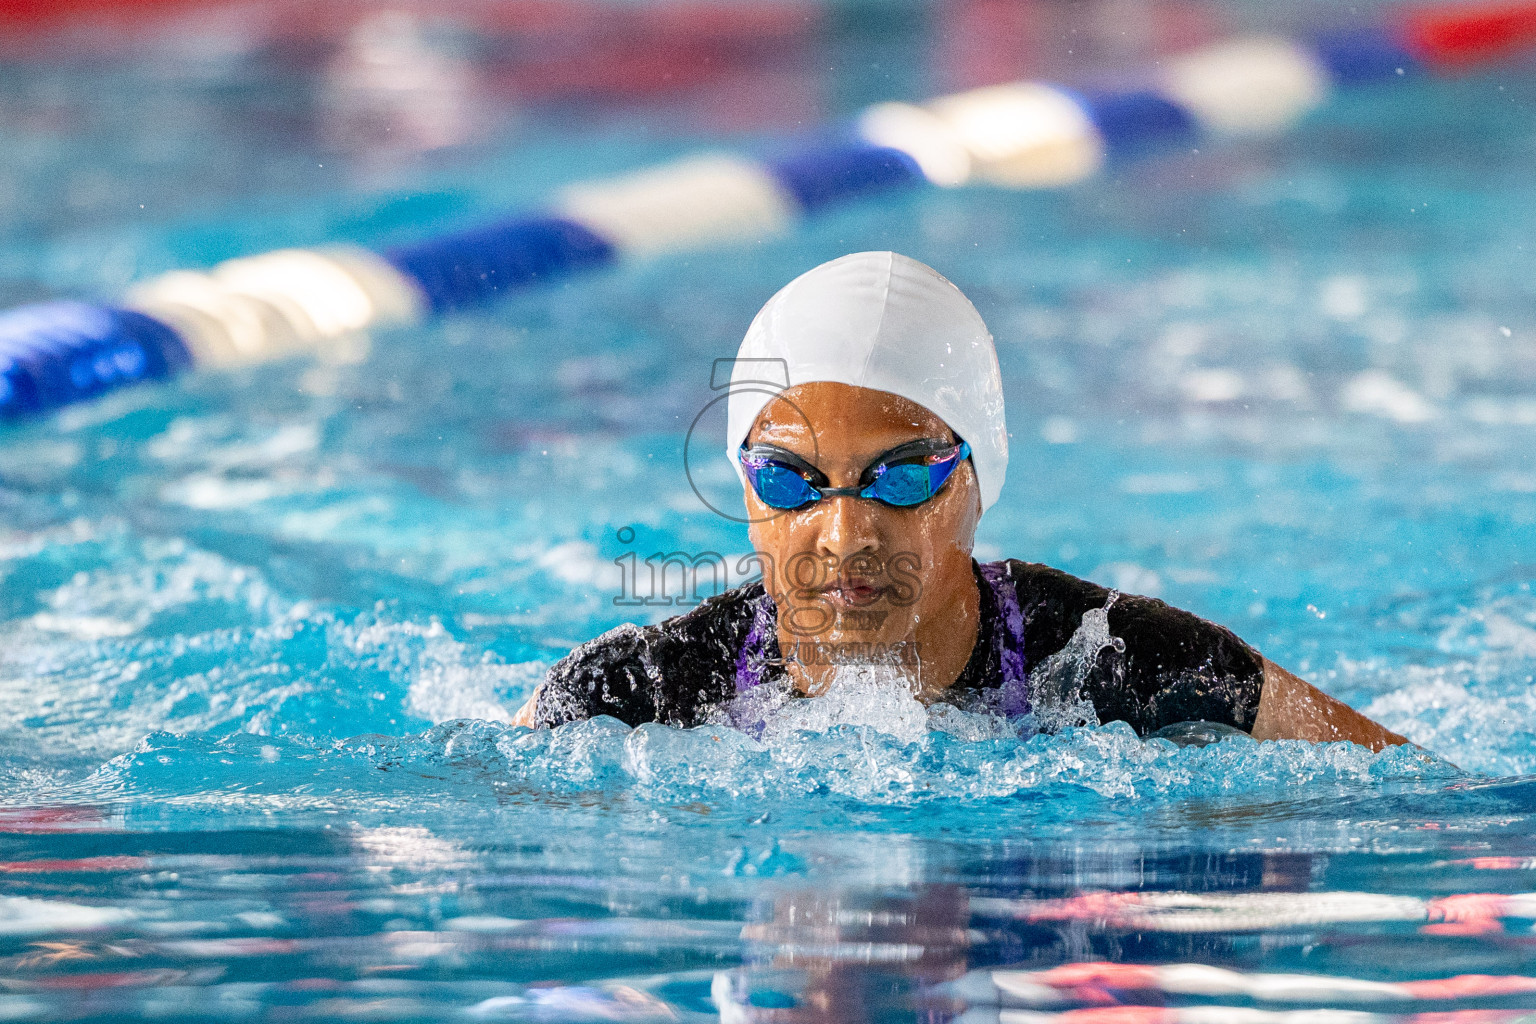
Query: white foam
[[484, 923], [443, 692], [90, 627], [219, 443], [410, 845], [1059, 430], [125, 598], [1344, 297], [1213, 385], [578, 561], [877, 697], [1160, 483], [1378, 393], [446, 679], [218, 493], [1129, 577]]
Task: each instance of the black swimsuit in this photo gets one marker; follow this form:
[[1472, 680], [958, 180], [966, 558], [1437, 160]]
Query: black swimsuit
[[1163, 666]]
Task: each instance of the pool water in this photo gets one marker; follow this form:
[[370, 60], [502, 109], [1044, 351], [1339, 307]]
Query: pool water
[[261, 632]]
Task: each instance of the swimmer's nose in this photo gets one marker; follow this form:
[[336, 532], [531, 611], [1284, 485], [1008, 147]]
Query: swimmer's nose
[[846, 528]]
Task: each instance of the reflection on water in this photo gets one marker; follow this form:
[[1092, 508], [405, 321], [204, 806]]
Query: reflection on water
[[390, 922], [598, 873]]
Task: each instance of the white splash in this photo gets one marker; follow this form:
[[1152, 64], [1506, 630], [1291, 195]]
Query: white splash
[[1056, 686], [878, 697]]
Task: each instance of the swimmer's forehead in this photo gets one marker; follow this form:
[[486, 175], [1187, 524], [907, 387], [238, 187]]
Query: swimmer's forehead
[[842, 419]]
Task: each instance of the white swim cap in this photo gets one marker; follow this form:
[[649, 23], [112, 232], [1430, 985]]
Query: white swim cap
[[884, 321]]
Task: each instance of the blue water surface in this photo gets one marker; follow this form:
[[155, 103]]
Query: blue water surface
[[261, 631]]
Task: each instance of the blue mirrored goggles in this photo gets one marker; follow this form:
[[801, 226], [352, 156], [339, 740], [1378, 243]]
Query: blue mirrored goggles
[[902, 477]]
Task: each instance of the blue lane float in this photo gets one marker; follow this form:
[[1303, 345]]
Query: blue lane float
[[833, 174], [473, 267], [1135, 123], [53, 354], [1019, 135]]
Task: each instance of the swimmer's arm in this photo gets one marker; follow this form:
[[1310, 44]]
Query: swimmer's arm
[[1293, 709], [524, 716]]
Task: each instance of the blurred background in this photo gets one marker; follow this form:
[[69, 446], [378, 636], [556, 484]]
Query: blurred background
[[1285, 379], [155, 135]]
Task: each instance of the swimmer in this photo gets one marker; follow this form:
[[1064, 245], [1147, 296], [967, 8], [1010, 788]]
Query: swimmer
[[864, 481]]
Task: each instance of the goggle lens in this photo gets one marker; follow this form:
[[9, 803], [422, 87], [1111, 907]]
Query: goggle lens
[[910, 483], [904, 484], [779, 486]]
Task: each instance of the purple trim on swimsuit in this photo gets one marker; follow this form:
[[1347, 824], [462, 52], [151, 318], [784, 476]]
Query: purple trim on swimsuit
[[761, 643], [1009, 640], [758, 649], [762, 638]]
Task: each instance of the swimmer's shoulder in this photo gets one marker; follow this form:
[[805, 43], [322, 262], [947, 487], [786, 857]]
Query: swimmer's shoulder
[[1052, 601], [666, 672], [1050, 597], [1036, 582], [1174, 665]]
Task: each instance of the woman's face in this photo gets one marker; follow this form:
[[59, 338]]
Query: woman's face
[[852, 574]]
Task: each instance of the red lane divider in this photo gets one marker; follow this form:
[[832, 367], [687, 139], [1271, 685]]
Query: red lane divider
[[1459, 36]]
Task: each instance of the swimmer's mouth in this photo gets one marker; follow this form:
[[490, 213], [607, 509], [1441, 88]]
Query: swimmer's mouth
[[853, 594]]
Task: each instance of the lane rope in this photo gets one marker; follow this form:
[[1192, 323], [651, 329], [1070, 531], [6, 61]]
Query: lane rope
[[1021, 135]]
